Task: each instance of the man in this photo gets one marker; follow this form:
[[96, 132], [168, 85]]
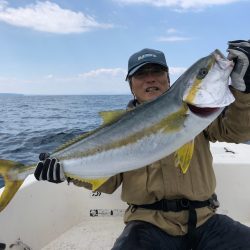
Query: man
[[169, 209]]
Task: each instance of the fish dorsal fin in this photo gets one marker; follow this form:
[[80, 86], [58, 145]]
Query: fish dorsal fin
[[184, 155], [107, 116], [72, 141], [112, 115]]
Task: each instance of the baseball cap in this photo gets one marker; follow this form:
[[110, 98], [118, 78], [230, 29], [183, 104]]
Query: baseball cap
[[145, 56]]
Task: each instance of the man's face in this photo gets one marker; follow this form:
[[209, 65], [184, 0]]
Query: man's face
[[149, 82]]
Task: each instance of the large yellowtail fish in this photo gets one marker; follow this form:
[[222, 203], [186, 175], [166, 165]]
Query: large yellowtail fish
[[132, 139]]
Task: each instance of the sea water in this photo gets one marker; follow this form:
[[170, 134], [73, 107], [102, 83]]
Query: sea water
[[30, 125]]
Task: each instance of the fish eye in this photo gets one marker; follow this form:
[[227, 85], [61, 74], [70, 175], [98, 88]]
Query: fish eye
[[202, 73]]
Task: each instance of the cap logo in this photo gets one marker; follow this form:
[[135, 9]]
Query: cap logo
[[145, 56]]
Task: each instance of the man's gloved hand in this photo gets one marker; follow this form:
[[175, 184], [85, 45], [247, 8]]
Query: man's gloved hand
[[49, 169], [239, 52]]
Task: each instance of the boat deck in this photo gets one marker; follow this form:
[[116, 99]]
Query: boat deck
[[93, 234]]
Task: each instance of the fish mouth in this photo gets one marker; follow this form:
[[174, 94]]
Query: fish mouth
[[204, 111], [152, 89]]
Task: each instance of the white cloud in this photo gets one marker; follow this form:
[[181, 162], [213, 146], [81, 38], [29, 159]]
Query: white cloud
[[104, 72], [49, 17], [180, 4], [173, 35], [172, 30], [103, 81], [49, 76], [98, 81], [172, 38], [176, 71]]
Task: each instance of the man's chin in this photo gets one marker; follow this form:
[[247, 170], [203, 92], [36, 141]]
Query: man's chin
[[149, 96]]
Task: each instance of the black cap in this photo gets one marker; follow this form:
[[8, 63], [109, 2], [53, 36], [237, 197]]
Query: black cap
[[145, 56]]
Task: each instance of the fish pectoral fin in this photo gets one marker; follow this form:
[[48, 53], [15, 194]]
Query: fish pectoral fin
[[184, 155], [11, 185], [112, 115]]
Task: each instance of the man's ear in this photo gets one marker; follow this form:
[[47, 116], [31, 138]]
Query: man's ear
[[168, 79], [130, 85]]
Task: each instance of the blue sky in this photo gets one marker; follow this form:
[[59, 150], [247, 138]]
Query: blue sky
[[82, 47]]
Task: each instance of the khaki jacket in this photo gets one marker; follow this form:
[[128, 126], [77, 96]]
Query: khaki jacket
[[162, 180]]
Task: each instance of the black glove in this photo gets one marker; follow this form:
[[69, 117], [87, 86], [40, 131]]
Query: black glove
[[49, 169], [239, 52]]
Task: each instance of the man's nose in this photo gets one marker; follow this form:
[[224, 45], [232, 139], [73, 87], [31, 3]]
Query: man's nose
[[149, 77]]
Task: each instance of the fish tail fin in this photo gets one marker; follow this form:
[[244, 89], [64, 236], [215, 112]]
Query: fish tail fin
[[11, 184], [184, 155]]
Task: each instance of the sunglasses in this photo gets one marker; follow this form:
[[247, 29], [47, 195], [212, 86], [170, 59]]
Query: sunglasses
[[155, 70]]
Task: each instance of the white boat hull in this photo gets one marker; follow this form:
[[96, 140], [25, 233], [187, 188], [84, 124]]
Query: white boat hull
[[41, 212]]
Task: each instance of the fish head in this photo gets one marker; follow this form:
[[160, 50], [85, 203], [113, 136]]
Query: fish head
[[207, 87]]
